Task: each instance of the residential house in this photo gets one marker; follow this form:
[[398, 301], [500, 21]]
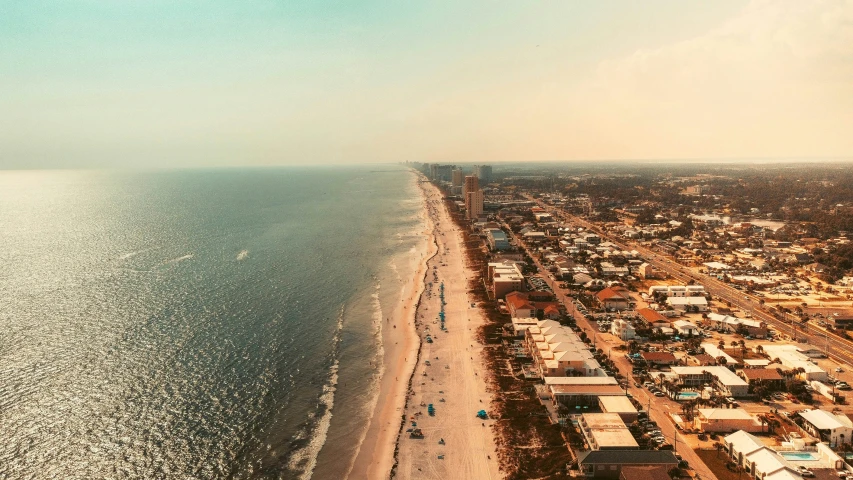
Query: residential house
[[828, 427], [688, 304], [505, 277], [653, 318], [759, 461], [658, 358], [606, 431], [768, 377], [656, 472], [702, 359], [614, 298], [621, 406], [685, 328], [721, 377], [609, 463], [725, 420], [519, 305], [622, 329]]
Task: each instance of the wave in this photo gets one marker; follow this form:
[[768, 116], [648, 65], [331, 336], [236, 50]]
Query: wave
[[379, 360], [305, 459], [244, 254], [180, 259]]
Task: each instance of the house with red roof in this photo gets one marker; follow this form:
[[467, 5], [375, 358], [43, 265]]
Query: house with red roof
[[614, 298]]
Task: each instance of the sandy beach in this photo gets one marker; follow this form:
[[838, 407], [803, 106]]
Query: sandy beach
[[449, 372], [375, 458]]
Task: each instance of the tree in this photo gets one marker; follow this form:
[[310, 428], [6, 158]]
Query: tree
[[719, 447]]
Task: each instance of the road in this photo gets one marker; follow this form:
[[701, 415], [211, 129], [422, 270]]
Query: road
[[836, 348], [660, 408]]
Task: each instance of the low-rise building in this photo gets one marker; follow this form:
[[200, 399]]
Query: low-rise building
[[621, 406], [557, 351], [614, 298], [759, 460], [497, 239], [609, 463], [622, 329], [828, 427], [721, 377], [793, 358], [505, 277], [581, 391], [677, 290], [730, 323], [716, 352], [685, 328], [646, 473], [658, 358], [688, 304], [606, 431], [725, 420], [768, 377]]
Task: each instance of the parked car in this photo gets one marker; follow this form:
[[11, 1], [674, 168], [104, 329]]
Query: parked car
[[660, 394], [839, 369]]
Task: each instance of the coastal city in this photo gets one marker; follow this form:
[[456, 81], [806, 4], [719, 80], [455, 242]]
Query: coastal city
[[627, 322]]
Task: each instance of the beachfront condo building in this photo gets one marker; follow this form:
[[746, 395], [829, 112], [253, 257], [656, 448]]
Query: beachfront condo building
[[473, 197], [458, 177], [484, 173]]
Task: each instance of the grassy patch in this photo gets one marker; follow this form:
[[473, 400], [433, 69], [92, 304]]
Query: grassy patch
[[717, 464]]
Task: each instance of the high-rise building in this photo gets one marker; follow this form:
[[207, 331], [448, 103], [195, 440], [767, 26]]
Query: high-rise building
[[458, 177], [475, 204], [473, 197], [441, 173], [484, 173]]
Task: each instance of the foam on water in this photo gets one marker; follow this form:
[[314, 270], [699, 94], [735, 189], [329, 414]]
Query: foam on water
[[244, 254], [305, 459]]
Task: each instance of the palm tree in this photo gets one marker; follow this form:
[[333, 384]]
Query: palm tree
[[722, 344], [760, 350], [633, 346], [764, 421], [718, 446]]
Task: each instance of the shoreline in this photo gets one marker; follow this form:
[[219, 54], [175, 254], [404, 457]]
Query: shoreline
[[451, 371], [401, 345]]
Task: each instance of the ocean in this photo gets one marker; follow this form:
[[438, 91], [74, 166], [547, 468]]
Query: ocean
[[196, 323]]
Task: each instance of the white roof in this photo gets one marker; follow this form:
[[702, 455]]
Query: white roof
[[687, 301], [743, 442], [683, 324], [580, 381], [822, 420], [768, 461], [723, 374], [783, 475], [725, 413], [615, 404]]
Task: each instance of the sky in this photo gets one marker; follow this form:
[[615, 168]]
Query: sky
[[190, 83]]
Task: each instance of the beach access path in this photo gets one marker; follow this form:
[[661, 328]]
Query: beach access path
[[453, 381]]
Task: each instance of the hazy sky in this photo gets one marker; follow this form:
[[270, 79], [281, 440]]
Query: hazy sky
[[186, 83]]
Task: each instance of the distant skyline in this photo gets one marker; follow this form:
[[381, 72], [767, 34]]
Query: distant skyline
[[95, 83]]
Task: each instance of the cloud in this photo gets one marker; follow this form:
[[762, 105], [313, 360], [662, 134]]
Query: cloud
[[776, 80]]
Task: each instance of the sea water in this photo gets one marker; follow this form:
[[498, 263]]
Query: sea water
[[196, 324]]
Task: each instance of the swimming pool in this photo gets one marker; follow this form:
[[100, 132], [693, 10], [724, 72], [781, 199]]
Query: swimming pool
[[799, 456], [687, 395]]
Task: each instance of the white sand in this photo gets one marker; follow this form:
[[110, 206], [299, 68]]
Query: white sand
[[376, 454], [455, 374]]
